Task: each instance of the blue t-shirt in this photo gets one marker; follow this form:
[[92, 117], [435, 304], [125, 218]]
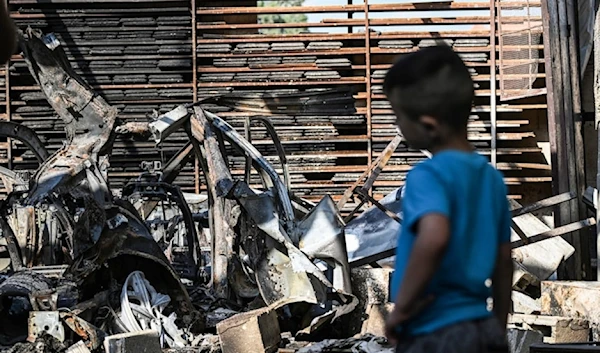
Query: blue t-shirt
[[464, 187]]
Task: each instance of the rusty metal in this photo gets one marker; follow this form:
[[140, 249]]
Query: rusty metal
[[25, 135], [14, 250], [375, 15], [278, 146], [86, 138], [135, 128], [384, 209], [154, 189], [91, 335], [372, 173], [170, 171], [45, 322], [222, 217]]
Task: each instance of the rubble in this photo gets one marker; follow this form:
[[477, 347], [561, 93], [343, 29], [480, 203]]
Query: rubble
[[520, 340], [363, 344], [558, 329], [140, 341], [254, 331], [114, 269]]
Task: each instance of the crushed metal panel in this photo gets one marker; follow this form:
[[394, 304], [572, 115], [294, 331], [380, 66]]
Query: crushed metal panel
[[282, 278], [283, 197], [373, 232], [89, 121], [322, 237]]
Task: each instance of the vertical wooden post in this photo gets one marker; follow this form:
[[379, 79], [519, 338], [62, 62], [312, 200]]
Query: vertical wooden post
[[573, 266], [9, 154], [195, 83], [554, 95], [493, 95], [597, 116], [579, 151], [562, 75], [368, 88], [556, 109]]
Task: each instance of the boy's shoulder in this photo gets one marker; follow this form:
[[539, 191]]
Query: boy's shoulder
[[449, 165]]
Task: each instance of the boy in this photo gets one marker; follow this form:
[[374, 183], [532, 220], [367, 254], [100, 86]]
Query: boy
[[8, 34], [453, 253]]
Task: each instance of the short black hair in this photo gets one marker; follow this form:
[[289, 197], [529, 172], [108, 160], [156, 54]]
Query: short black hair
[[433, 81]]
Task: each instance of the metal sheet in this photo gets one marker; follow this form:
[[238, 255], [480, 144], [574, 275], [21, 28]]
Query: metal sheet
[[373, 231]]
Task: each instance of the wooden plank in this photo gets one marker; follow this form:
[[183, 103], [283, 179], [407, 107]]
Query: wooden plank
[[560, 231], [573, 266], [379, 164], [579, 148], [541, 259], [551, 201]]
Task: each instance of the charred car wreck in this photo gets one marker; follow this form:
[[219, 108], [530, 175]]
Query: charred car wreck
[[86, 263]]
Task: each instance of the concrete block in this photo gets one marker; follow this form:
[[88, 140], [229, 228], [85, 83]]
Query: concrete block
[[555, 329], [520, 340], [575, 299], [256, 331], [571, 298], [371, 285], [372, 288], [135, 342], [522, 278], [375, 321], [524, 304]]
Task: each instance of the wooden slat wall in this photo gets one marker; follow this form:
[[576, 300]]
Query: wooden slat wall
[[145, 56]]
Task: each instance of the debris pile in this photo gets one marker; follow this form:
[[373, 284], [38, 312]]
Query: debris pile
[[90, 268], [543, 308], [246, 267]]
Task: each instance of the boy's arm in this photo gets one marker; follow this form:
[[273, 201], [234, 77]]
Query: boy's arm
[[502, 284], [503, 272], [432, 236]]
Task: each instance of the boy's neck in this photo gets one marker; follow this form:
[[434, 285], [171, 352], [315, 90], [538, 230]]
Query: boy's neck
[[455, 143]]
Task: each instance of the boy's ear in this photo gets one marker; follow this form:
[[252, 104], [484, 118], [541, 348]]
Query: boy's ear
[[430, 124]]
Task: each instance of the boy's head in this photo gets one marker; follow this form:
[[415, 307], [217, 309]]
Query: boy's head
[[431, 92]]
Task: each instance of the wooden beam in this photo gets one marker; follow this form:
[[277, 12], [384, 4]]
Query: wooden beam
[[560, 231], [551, 201]]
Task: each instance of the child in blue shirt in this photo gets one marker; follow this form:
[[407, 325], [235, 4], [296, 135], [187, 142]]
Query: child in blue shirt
[[453, 275], [8, 33]]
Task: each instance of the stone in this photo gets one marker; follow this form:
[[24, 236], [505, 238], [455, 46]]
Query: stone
[[577, 299], [139, 342], [375, 321], [372, 288], [556, 329], [372, 285], [255, 331]]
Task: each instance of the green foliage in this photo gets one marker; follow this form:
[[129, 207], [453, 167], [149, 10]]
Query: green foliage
[[279, 18]]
